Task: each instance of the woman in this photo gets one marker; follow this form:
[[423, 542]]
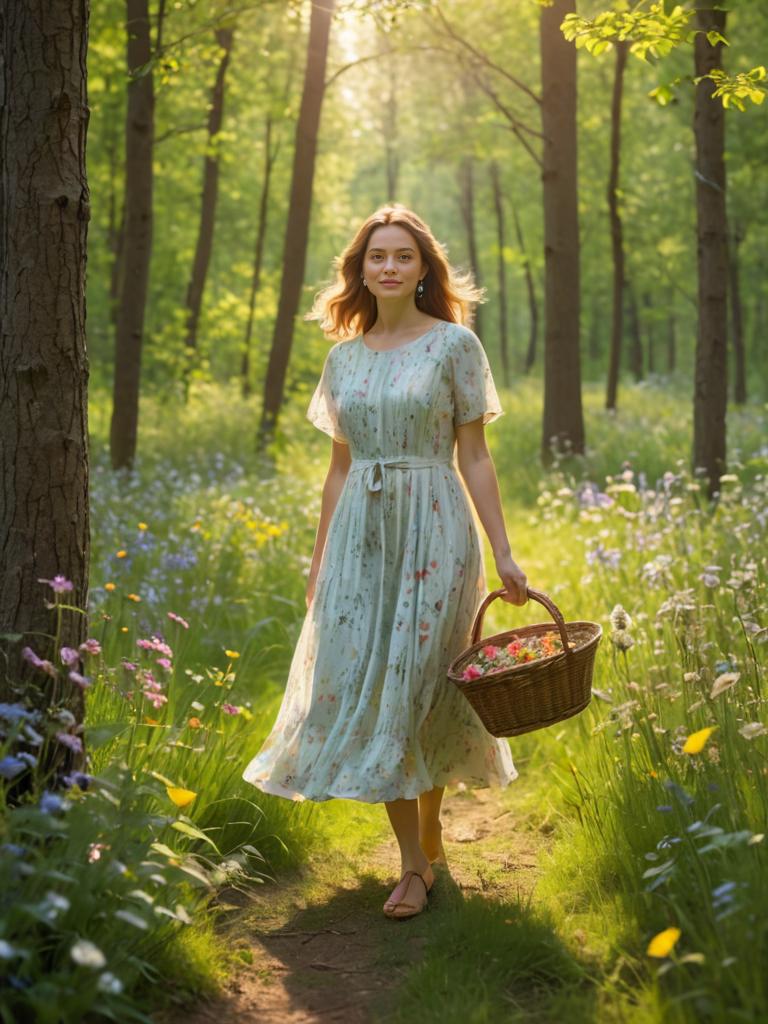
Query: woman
[[397, 573]]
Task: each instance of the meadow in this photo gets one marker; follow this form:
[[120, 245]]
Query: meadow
[[656, 793]]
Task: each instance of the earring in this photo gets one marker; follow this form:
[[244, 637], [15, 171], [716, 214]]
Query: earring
[[365, 283], [420, 288]]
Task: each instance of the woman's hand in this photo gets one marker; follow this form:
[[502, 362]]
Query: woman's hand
[[513, 578]]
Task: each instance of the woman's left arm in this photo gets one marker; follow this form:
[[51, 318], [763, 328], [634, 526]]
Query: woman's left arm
[[479, 473]]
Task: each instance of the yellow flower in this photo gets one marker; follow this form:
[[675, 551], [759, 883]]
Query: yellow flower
[[232, 654], [181, 797], [662, 944], [109, 586], [194, 723], [121, 553], [133, 597], [143, 526], [123, 629], [695, 742]]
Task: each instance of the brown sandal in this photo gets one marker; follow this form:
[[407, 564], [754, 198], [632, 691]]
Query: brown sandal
[[392, 908]]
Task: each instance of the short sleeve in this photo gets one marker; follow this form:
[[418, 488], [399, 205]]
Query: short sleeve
[[323, 408], [474, 391]]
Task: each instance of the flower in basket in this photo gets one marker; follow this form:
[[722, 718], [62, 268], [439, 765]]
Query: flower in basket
[[497, 657]]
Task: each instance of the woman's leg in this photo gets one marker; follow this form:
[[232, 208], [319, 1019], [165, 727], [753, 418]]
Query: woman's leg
[[430, 828], [404, 818]]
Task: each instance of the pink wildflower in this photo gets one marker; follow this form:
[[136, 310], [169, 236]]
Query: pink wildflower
[[165, 663], [82, 681], [91, 646], [490, 651], [69, 655], [230, 709], [59, 584], [472, 672], [177, 618]]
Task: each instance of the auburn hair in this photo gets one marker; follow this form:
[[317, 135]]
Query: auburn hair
[[345, 308]]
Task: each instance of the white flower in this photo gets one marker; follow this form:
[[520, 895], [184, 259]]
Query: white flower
[[109, 983], [620, 619], [724, 682], [86, 954], [752, 730], [622, 639]]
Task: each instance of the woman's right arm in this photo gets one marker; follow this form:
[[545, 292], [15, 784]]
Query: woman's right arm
[[334, 481]]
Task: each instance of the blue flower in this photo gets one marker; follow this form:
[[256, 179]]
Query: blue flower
[[11, 766], [13, 712], [50, 803]]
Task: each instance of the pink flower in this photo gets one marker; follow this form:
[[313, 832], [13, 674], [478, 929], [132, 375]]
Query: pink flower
[[94, 851], [177, 618], [82, 681], [68, 740], [59, 584], [155, 644], [472, 672], [156, 699], [129, 666], [490, 651], [69, 655], [91, 646], [29, 655], [164, 663], [230, 709]]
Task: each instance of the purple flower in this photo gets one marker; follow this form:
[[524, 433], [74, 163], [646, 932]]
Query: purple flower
[[29, 655], [230, 709], [91, 646], [69, 655], [59, 584], [129, 666], [11, 766], [77, 779], [50, 803], [68, 740], [82, 681]]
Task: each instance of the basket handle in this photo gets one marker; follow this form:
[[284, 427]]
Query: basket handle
[[537, 595]]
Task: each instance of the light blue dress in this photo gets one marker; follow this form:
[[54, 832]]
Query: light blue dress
[[368, 712]]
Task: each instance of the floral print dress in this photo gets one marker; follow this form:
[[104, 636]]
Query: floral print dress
[[368, 711]]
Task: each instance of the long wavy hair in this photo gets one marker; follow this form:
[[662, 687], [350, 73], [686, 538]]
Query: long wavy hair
[[346, 308]]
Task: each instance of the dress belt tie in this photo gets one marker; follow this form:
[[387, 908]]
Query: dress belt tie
[[374, 468]]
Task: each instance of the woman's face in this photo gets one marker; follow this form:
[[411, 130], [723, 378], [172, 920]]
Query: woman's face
[[392, 263]]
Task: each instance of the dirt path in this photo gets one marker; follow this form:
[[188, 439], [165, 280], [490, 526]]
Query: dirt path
[[322, 950]]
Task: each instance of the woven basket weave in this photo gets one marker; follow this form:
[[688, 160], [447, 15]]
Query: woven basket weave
[[534, 694]]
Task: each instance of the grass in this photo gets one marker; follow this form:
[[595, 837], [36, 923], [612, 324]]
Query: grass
[[203, 532]]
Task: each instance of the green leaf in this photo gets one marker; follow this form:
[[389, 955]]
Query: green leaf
[[194, 833], [102, 733]]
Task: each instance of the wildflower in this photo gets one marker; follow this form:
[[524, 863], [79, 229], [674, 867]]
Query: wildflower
[[7, 951], [59, 584], [695, 742], [753, 729], [661, 945], [142, 526], [724, 682], [65, 716], [181, 797], [94, 851], [177, 618], [472, 672], [129, 666], [620, 618], [79, 779], [11, 766], [490, 651], [69, 655], [622, 639], [109, 586], [232, 654], [165, 663], [156, 699], [122, 553], [230, 709], [82, 681], [709, 579], [155, 643], [605, 556], [13, 712], [90, 646], [50, 803], [86, 954], [194, 723], [108, 982], [72, 742], [133, 597], [29, 655]]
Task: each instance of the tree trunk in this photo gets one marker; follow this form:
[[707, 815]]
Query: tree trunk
[[204, 246], [636, 348], [467, 202], [671, 334], [270, 155], [44, 460], [501, 242], [737, 319], [711, 387], [617, 234], [139, 139], [297, 226], [533, 306], [563, 422], [649, 334]]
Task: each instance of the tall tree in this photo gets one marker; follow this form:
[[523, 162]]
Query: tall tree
[[563, 421], [737, 317], [44, 214], [467, 204], [617, 238], [204, 245], [710, 394], [299, 209], [501, 244], [137, 237]]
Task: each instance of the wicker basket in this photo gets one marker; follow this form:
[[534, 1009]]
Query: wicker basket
[[534, 694]]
